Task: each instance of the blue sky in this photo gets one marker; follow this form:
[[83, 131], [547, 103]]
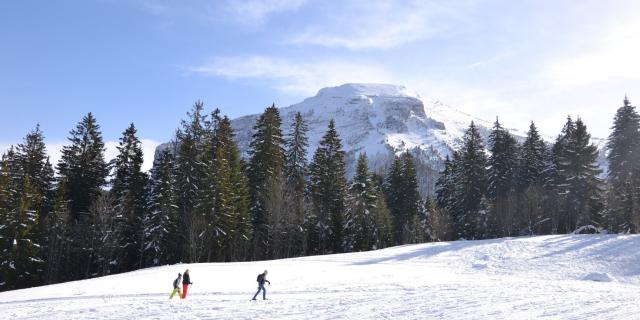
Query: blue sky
[[147, 61]]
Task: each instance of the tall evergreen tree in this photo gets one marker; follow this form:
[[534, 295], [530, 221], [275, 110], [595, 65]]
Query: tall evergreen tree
[[502, 170], [58, 238], [582, 204], [296, 169], [383, 231], [128, 192], [190, 179], [624, 170], [402, 197], [534, 163], [161, 221], [360, 221], [266, 173], [556, 182], [469, 216], [232, 222], [445, 185], [83, 171], [327, 189], [393, 192]]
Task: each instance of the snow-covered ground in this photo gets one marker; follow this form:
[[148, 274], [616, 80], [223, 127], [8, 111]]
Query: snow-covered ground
[[554, 277]]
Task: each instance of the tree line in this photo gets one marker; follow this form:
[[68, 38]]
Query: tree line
[[535, 188], [203, 201]]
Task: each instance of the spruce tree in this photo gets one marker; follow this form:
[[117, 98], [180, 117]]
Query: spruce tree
[[383, 231], [327, 190], [582, 204], [534, 163], [557, 180], [502, 170], [469, 215], [624, 170], [296, 170], [190, 178], [58, 237], [161, 221], [232, 222], [411, 201], [266, 172], [360, 221], [128, 190], [83, 171], [9, 196], [393, 192]]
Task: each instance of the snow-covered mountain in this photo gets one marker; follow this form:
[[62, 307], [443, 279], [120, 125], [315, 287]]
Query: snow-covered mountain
[[381, 120], [546, 277]]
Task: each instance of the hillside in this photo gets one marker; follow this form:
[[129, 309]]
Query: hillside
[[511, 278]]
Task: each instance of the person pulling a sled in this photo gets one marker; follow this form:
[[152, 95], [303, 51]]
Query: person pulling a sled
[[176, 287], [262, 278], [186, 281]]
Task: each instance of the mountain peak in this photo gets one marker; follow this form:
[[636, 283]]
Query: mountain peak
[[366, 89]]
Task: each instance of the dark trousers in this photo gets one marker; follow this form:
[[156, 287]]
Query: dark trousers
[[264, 292]]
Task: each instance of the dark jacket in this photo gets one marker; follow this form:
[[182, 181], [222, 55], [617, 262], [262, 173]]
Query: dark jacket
[[261, 279], [186, 279], [176, 283]]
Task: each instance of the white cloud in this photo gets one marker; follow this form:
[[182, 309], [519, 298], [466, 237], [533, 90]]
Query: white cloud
[[258, 11], [612, 57], [294, 77], [381, 24]]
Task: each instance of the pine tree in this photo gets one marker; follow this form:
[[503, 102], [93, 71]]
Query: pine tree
[[410, 201], [266, 173], [445, 185], [502, 170], [128, 192], [383, 231], [624, 170], [190, 179], [10, 172], [393, 192], [161, 221], [556, 182], [106, 235], [582, 204], [469, 215], [83, 171], [534, 163], [327, 190], [360, 221], [232, 222], [58, 237], [296, 168]]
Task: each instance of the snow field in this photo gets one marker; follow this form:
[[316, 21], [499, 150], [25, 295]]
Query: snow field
[[546, 277]]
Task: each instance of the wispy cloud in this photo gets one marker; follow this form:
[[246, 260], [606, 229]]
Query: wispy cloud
[[381, 24], [258, 11], [613, 57], [292, 77]]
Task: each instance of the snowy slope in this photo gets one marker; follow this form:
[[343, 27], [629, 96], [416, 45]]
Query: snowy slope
[[547, 277]]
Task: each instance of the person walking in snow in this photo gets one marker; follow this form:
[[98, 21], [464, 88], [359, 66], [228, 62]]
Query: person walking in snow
[[186, 281], [176, 286], [262, 278]]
